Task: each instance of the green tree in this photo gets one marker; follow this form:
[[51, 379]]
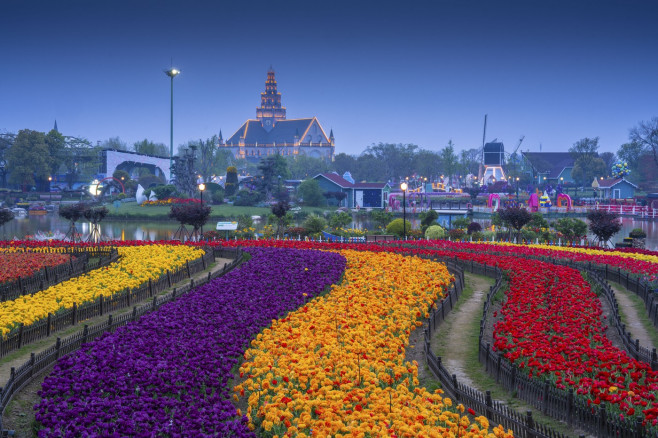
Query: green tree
[[340, 220], [426, 163], [344, 163], [631, 153], [56, 149], [211, 160], [28, 158], [428, 218], [311, 193], [315, 224], [303, 166], [571, 229], [381, 217], [231, 185], [435, 232], [147, 147], [585, 169], [397, 227], [449, 160], [114, 143], [280, 211], [393, 160], [272, 169]]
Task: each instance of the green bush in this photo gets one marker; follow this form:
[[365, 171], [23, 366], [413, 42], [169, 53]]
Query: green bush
[[456, 233], [314, 224], [637, 233], [477, 236], [396, 227], [434, 232], [164, 191], [461, 222], [247, 198], [340, 220]]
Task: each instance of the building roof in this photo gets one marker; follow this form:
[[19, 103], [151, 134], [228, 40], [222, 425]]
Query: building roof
[[609, 183], [550, 163], [345, 184], [284, 131]]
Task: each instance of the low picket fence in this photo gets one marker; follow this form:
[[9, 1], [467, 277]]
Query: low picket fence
[[38, 363]]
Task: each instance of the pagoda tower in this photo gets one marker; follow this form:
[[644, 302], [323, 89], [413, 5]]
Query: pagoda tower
[[270, 111]]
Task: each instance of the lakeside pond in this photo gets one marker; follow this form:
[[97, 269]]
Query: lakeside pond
[[164, 230]]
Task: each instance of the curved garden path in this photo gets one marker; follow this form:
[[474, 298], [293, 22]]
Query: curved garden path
[[628, 308]]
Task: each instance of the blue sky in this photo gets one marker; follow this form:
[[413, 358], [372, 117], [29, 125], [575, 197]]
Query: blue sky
[[422, 72]]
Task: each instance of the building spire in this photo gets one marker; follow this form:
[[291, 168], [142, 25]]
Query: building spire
[[55, 127], [270, 111]]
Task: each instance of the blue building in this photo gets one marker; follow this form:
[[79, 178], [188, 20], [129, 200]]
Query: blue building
[[617, 188], [356, 194]]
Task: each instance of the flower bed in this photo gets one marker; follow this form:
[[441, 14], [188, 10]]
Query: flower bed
[[137, 265], [24, 264], [336, 367], [171, 201], [168, 373]]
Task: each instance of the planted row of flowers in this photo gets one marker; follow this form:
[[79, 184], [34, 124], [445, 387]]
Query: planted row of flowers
[[169, 373], [24, 264], [336, 367], [171, 201], [136, 266]]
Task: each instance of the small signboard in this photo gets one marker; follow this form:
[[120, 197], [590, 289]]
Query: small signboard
[[227, 226]]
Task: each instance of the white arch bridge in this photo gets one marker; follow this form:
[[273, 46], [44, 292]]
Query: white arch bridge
[[113, 160]]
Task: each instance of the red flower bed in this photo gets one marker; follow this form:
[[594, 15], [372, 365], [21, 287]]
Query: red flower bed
[[24, 264]]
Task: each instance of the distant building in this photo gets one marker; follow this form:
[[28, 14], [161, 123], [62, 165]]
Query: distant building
[[550, 167], [617, 188], [271, 133], [357, 195]]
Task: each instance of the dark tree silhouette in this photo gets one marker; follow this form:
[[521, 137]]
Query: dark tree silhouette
[[603, 224], [195, 215], [73, 213], [515, 217]]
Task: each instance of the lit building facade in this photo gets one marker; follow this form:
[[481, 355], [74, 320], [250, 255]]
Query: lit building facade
[[271, 133]]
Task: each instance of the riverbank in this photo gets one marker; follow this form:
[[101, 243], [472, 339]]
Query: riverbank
[[133, 211]]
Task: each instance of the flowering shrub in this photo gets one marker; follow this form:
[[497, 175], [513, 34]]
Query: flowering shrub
[[336, 367], [24, 264], [167, 374], [136, 265]]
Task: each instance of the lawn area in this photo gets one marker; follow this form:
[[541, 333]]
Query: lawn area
[[131, 210]]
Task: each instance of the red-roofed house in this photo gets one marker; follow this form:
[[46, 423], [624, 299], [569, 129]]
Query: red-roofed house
[[358, 195], [617, 188]]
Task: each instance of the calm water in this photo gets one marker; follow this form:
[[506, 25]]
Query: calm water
[[164, 230]]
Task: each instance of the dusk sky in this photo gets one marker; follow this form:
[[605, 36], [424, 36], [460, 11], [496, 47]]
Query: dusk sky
[[421, 72]]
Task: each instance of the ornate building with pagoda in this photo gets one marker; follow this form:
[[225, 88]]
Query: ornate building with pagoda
[[271, 133]]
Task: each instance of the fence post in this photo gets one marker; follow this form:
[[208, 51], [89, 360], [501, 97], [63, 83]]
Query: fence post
[[75, 313], [109, 322], [155, 303], [58, 348], [150, 288], [173, 294], [498, 365], [187, 264], [85, 334], [601, 419], [20, 284], [20, 335], [530, 425], [203, 262], [127, 297], [208, 277], [45, 270], [654, 360], [570, 406], [486, 362], [135, 313], [191, 283], [168, 277], [454, 384], [513, 379], [48, 324], [489, 403], [545, 397], [102, 302], [32, 365], [639, 429]]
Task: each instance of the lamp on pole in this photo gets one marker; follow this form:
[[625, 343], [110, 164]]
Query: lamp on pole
[[404, 186], [517, 188], [50, 193], [202, 187], [172, 73]]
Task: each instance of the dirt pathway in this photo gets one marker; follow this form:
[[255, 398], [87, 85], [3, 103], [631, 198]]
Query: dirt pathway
[[631, 317]]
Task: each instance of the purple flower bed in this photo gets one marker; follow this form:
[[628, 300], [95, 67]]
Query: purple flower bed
[[167, 374]]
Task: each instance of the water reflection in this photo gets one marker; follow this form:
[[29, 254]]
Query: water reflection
[[164, 230]]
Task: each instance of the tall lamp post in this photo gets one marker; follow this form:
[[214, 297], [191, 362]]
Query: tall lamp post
[[50, 192], [404, 186], [172, 73], [202, 187], [517, 189]]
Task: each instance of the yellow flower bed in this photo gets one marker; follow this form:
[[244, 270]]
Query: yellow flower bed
[[337, 366], [136, 265], [590, 251]]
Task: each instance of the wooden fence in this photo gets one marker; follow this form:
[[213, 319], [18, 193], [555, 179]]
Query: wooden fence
[[102, 305], [49, 276], [560, 404], [38, 363]]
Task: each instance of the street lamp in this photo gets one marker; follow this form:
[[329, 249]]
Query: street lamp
[[404, 186], [50, 192], [172, 73], [202, 187], [517, 189]]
